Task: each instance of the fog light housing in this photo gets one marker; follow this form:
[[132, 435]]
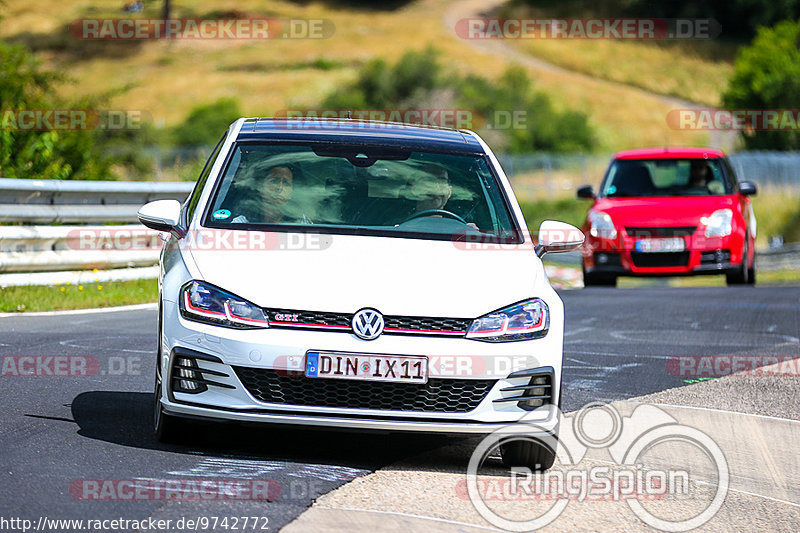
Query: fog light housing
[[185, 379]]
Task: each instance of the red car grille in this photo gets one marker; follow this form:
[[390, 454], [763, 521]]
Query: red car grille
[[660, 259], [667, 231]]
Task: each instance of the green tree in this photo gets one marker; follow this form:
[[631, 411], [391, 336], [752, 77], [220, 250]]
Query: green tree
[[419, 81], [767, 76], [206, 123], [55, 154], [525, 116], [381, 86]]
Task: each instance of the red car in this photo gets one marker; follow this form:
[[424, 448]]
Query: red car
[[669, 212]]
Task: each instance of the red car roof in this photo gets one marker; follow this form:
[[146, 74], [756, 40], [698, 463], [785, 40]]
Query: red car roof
[[670, 153]]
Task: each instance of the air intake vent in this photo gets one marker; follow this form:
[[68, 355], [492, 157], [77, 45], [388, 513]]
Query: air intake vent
[[534, 394], [188, 377]]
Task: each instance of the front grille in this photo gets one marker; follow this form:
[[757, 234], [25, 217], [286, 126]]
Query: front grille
[[291, 317], [660, 259], [394, 325], [436, 396], [667, 231], [421, 324]]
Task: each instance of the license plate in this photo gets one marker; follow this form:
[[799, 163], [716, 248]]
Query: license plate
[[675, 244], [369, 367]]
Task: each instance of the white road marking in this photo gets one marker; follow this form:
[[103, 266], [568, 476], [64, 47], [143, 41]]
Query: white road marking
[[70, 344], [249, 469], [576, 331], [137, 307]]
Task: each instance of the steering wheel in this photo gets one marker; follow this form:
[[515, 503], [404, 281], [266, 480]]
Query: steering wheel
[[435, 212]]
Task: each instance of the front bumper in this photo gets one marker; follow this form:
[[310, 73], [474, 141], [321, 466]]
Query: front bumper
[[718, 255], [284, 350]]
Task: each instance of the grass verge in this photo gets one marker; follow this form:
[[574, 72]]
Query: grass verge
[[70, 296], [693, 69]]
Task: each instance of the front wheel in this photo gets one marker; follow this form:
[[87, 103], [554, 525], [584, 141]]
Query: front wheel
[[167, 428], [741, 276], [598, 280]]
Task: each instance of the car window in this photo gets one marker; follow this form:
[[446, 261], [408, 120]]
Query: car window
[[664, 177], [376, 190], [732, 178], [194, 198]]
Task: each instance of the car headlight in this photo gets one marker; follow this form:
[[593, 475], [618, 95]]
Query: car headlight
[[719, 224], [601, 225], [205, 303], [522, 321]]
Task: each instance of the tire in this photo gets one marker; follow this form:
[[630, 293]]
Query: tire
[[742, 275], [599, 280], [168, 429], [751, 272], [530, 453]]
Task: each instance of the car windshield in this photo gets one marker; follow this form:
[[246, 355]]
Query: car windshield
[[664, 177], [359, 189]]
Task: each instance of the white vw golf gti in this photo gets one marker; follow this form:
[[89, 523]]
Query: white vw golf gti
[[358, 275]]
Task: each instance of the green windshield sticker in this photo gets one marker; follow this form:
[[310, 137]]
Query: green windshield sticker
[[221, 214]]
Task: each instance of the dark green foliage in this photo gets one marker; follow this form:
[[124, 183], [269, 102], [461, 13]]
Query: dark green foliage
[[767, 77], [521, 119], [55, 154], [206, 123]]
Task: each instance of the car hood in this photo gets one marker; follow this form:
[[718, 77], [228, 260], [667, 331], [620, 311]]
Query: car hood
[[397, 276], [662, 211]]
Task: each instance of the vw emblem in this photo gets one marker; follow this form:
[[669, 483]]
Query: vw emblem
[[367, 324]]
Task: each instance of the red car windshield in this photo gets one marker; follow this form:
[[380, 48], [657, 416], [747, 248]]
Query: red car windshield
[[664, 177]]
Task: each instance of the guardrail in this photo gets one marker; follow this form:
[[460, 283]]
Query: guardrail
[[53, 201], [42, 254], [59, 248]]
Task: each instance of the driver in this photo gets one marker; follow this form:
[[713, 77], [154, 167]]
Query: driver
[[432, 190], [699, 175], [274, 192]]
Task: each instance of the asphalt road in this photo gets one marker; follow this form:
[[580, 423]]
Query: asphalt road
[[56, 432]]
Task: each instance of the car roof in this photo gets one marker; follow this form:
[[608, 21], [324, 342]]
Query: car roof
[[349, 131], [670, 153]]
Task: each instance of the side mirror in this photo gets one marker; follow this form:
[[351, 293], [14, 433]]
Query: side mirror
[[747, 188], [558, 237], [586, 192], [161, 215]]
